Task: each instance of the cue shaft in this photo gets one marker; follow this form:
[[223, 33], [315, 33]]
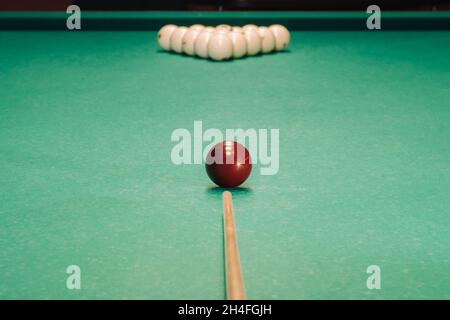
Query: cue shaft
[[234, 280]]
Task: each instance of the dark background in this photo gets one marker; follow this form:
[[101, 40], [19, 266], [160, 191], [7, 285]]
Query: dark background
[[226, 5]]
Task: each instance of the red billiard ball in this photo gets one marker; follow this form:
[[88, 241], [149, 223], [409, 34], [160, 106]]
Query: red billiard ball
[[228, 164]]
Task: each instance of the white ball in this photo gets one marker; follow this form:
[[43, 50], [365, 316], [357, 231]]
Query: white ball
[[189, 41], [201, 42], [164, 35], [237, 29], [225, 27], [177, 38], [282, 36], [220, 46], [249, 27], [267, 39], [209, 29], [197, 27], [253, 41], [239, 44]]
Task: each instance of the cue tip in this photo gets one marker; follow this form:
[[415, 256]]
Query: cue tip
[[226, 196]]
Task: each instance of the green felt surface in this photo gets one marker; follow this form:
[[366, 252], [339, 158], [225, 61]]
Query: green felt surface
[[86, 176]]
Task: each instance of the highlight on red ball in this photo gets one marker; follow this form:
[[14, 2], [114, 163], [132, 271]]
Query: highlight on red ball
[[228, 164]]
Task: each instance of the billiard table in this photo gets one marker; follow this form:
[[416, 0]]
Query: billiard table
[[86, 118]]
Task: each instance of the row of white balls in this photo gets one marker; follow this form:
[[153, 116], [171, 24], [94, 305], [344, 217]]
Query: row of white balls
[[223, 42]]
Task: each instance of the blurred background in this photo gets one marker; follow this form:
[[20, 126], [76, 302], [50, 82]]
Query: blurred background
[[223, 5]]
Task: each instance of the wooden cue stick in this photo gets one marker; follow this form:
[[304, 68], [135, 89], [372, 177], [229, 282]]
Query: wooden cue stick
[[234, 280]]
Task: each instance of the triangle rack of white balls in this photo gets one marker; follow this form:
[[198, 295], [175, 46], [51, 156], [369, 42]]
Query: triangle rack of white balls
[[223, 42]]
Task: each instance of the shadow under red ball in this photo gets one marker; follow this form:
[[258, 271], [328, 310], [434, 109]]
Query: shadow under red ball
[[228, 164]]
